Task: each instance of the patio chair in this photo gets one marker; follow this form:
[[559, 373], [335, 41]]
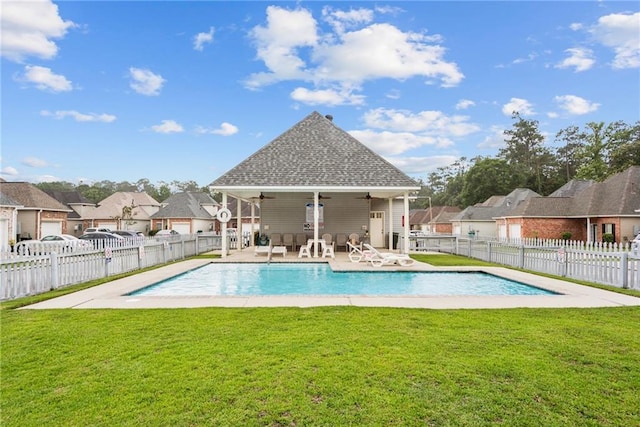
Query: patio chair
[[287, 241], [328, 238], [341, 241], [305, 250], [301, 240], [378, 259], [276, 239], [354, 238]]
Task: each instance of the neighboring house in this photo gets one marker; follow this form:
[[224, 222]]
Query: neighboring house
[[8, 221], [38, 214], [586, 209], [122, 211], [249, 218], [434, 220], [79, 206], [315, 178], [480, 219], [187, 213]]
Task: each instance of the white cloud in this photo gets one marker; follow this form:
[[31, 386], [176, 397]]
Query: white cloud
[[528, 58], [44, 79], [28, 29], [620, 32], [463, 104], [79, 117], [34, 162], [225, 129], [145, 82], [291, 48], [575, 105], [495, 138], [329, 97], [421, 165], [431, 122], [168, 126], [341, 20], [201, 38], [9, 171], [392, 143], [581, 59], [518, 105]]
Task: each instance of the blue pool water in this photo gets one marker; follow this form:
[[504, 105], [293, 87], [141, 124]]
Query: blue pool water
[[318, 279]]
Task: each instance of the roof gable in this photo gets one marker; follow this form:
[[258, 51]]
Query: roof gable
[[186, 205], [314, 153], [31, 197]]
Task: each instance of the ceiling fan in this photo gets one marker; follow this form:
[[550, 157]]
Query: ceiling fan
[[320, 197], [368, 197], [261, 197]]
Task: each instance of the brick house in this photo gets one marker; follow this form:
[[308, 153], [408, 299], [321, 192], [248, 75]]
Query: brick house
[[586, 209], [38, 214], [187, 213]]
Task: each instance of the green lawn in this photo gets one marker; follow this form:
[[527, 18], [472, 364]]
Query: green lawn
[[320, 366]]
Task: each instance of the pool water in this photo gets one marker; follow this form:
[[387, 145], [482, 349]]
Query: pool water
[[220, 279]]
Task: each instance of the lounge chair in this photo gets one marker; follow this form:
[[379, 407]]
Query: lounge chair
[[287, 240], [354, 239], [356, 254], [341, 241], [378, 259]]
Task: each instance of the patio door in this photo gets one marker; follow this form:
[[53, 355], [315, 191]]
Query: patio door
[[376, 228]]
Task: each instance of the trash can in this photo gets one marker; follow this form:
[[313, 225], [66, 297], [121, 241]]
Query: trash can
[[396, 236]]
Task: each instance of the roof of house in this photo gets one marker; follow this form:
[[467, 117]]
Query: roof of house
[[186, 205], [111, 207], [617, 195], [31, 197], [315, 154], [496, 206], [8, 201], [70, 198], [433, 214]]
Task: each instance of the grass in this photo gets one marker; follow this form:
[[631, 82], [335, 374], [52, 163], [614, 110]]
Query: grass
[[321, 366]]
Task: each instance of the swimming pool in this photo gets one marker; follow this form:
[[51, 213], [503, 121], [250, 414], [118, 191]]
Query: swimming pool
[[259, 279]]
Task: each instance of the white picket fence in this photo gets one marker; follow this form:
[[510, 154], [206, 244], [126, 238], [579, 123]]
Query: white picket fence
[[24, 275], [605, 263]]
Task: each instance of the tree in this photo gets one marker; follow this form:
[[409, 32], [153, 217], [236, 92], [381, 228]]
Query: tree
[[568, 154], [487, 177], [526, 154], [594, 153], [624, 147]]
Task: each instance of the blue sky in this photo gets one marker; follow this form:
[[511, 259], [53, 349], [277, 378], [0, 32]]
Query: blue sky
[[184, 91]]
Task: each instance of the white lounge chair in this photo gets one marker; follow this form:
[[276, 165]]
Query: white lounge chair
[[356, 254], [378, 259]]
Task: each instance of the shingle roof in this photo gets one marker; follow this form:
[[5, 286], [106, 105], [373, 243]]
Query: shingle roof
[[186, 205], [30, 196], [7, 201], [69, 197], [315, 153], [617, 195], [497, 206], [111, 207]]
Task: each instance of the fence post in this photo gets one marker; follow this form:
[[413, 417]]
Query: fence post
[[521, 256], [54, 271], [488, 251], [624, 269]]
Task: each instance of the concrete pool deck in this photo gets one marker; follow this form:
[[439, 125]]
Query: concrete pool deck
[[113, 294]]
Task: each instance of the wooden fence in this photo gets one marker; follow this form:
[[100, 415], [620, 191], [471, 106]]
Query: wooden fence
[[605, 263], [45, 270]]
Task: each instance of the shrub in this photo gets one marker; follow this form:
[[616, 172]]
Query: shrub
[[566, 235], [608, 238]]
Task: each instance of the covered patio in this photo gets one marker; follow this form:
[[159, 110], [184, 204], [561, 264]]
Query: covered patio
[[316, 179]]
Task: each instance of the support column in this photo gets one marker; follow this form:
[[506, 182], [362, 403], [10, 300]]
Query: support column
[[316, 221], [405, 249], [238, 223], [223, 228], [390, 227]]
